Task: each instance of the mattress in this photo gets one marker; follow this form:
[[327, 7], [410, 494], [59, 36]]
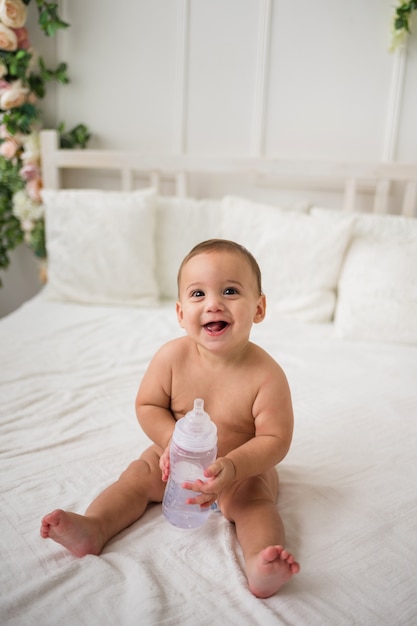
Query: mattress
[[348, 496]]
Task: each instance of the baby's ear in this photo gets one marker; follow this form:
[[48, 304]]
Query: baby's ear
[[180, 315], [260, 310]]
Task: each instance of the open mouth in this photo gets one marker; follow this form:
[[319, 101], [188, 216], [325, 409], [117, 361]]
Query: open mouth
[[215, 328]]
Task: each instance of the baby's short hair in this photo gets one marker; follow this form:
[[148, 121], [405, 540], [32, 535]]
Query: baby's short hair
[[223, 245]]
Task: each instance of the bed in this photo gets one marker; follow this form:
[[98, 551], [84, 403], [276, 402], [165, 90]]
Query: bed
[[341, 320]]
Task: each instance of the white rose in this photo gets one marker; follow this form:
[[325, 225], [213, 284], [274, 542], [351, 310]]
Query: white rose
[[13, 97], [31, 148], [12, 13], [25, 209], [8, 39]]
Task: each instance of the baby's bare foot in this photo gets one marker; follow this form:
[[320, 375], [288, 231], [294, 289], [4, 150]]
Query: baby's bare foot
[[79, 534], [271, 569]]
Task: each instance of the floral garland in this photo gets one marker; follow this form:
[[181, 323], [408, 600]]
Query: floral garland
[[22, 83], [401, 23]]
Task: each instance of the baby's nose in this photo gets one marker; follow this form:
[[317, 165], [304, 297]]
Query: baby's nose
[[214, 303]]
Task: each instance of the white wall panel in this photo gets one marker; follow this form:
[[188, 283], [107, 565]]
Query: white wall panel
[[222, 63], [122, 60], [407, 140], [329, 79], [208, 76]]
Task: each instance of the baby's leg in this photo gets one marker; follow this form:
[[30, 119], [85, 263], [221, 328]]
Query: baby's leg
[[116, 508], [251, 505]]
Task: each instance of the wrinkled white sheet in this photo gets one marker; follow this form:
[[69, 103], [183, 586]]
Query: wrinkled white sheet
[[69, 376]]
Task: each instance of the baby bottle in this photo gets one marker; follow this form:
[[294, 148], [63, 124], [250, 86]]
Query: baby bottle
[[193, 448]]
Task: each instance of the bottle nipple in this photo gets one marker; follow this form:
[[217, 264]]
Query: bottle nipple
[[197, 420], [195, 431]]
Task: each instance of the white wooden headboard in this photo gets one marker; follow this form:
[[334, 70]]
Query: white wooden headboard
[[376, 178]]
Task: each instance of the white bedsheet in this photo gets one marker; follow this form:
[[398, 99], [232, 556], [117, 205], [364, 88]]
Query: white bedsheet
[[69, 376]]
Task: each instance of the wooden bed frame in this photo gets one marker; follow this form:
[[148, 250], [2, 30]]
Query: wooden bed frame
[[379, 179]]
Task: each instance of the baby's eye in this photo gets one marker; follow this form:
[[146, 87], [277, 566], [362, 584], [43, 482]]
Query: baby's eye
[[230, 291], [197, 293]]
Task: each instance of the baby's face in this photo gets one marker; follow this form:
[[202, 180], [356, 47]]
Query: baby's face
[[219, 300]]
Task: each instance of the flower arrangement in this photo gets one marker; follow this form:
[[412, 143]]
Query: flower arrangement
[[401, 22], [23, 77]]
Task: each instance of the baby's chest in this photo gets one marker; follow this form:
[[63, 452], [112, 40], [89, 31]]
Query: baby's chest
[[228, 400]]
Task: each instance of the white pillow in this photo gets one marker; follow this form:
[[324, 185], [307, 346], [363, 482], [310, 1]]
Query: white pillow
[[181, 223], [100, 246], [300, 256], [378, 290], [380, 226]]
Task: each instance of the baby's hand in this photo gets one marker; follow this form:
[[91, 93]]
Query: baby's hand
[[164, 464], [220, 474]]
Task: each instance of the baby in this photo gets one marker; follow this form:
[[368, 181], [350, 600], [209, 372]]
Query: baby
[[245, 393]]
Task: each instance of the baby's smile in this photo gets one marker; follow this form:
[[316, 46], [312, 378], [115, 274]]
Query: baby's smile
[[215, 328]]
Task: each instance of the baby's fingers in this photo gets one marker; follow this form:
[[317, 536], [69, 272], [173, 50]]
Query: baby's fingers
[[222, 468], [164, 466], [204, 492], [213, 470], [197, 486], [203, 499]]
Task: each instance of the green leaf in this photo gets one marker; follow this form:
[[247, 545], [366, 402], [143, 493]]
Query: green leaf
[[11, 233], [401, 23], [20, 119], [17, 62], [77, 137], [37, 239], [59, 74], [48, 18], [37, 85]]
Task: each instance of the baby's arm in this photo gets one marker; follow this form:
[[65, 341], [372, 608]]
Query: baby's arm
[[153, 399], [274, 423]]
